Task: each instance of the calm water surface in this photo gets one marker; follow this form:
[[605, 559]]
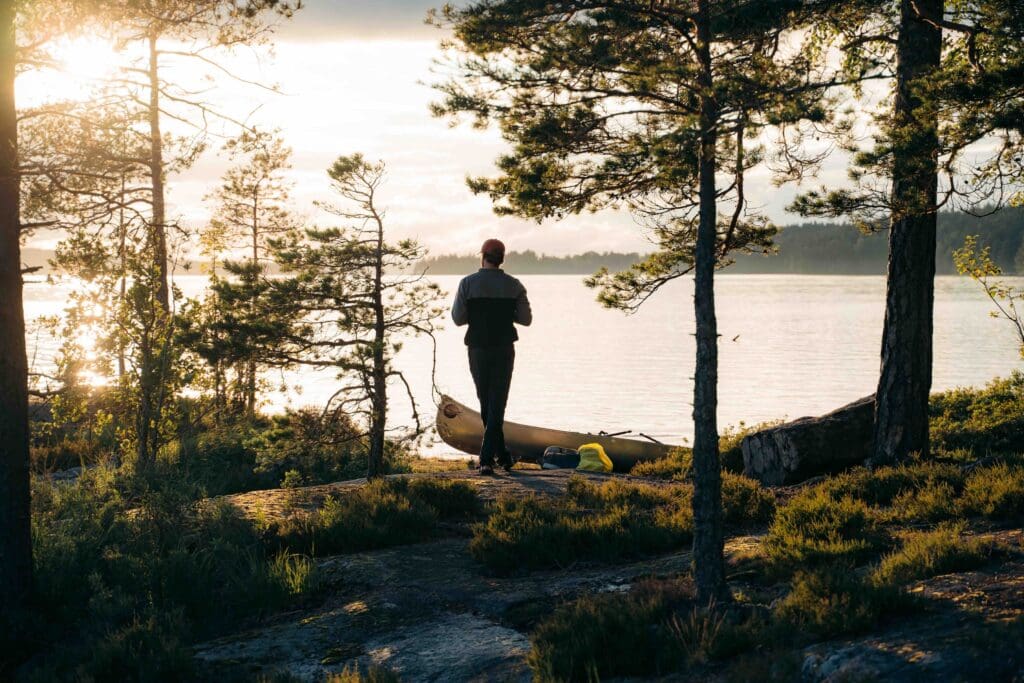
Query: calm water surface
[[791, 345]]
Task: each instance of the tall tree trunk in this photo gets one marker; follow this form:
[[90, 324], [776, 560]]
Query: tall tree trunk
[[122, 251], [378, 419], [158, 226], [901, 412], [250, 370], [15, 525], [709, 564]]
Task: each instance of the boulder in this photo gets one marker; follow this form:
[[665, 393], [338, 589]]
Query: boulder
[[792, 452]]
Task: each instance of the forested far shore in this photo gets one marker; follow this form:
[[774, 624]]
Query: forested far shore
[[806, 248]]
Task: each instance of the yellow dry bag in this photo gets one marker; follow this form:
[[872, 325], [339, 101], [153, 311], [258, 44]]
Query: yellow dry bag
[[593, 458]]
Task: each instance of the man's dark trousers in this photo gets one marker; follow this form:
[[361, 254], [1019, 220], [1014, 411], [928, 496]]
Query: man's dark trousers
[[491, 367]]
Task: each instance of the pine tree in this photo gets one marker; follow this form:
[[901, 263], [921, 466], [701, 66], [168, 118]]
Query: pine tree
[[354, 303], [641, 106]]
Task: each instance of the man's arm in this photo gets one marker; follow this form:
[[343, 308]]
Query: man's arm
[[523, 315], [460, 312]]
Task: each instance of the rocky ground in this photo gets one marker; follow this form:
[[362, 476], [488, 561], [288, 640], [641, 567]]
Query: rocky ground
[[431, 613]]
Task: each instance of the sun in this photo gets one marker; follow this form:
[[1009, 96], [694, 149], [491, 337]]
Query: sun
[[87, 59], [78, 66]]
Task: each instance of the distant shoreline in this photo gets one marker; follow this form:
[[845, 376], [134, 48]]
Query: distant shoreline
[[804, 249]]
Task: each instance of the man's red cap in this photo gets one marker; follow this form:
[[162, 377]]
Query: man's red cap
[[495, 248]]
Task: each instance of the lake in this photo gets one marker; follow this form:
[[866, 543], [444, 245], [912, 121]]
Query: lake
[[791, 345]]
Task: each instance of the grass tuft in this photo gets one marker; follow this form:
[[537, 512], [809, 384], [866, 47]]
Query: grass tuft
[[815, 528], [995, 492], [834, 600], [378, 515], [603, 522], [925, 554], [653, 629]]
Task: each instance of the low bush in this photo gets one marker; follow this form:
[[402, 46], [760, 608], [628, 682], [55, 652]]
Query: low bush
[[925, 554], [221, 461], [371, 674], [128, 576], [982, 421], [609, 635], [815, 528], [601, 522], [833, 600], [995, 492], [378, 515], [676, 466], [318, 450], [654, 629], [745, 503], [882, 486], [933, 502]]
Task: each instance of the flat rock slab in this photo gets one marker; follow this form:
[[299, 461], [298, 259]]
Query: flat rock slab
[[424, 610], [971, 632]]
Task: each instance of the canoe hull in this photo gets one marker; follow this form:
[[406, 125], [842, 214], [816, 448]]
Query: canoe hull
[[461, 427]]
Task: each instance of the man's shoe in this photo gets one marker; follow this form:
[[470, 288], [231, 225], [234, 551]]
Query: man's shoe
[[486, 470], [506, 462]]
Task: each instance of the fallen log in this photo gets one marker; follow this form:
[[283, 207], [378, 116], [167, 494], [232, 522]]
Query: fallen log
[[792, 452]]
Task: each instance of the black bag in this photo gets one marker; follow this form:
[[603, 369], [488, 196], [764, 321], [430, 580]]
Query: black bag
[[558, 458]]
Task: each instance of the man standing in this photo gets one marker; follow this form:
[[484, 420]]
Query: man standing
[[490, 301]]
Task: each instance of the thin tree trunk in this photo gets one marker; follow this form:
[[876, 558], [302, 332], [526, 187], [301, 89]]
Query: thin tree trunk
[[375, 463], [250, 390], [158, 227], [123, 256], [709, 565], [901, 412], [15, 524]]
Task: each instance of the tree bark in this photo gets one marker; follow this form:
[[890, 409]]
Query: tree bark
[[15, 520], [158, 225], [378, 419], [708, 542], [901, 411]]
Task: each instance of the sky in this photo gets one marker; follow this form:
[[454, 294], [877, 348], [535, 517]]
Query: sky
[[355, 76]]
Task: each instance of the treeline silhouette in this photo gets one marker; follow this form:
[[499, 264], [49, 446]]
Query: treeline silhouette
[[531, 263], [841, 249], [806, 248]]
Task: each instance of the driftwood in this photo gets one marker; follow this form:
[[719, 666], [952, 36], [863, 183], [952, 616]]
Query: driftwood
[[792, 452]]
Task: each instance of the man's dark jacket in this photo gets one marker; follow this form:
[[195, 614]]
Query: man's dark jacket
[[491, 300]]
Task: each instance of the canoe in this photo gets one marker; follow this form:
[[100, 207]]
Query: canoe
[[461, 427]]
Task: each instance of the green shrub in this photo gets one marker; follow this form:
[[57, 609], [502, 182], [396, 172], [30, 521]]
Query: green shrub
[[67, 453], [676, 466], [451, 499], [609, 635], [144, 650], [881, 486], [372, 674], [603, 522], [221, 462], [745, 503], [925, 554], [933, 502], [372, 516], [112, 571], [996, 492], [834, 600], [815, 528], [983, 421], [654, 629], [379, 514], [320, 449]]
